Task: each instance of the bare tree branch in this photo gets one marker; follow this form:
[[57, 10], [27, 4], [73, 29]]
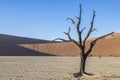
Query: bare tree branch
[[94, 30], [73, 22], [103, 36], [94, 42], [68, 34], [90, 30], [60, 40], [82, 29], [68, 31], [76, 43], [69, 37], [78, 27], [79, 18]]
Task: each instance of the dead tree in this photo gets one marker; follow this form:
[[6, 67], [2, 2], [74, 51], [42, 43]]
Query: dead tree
[[81, 43]]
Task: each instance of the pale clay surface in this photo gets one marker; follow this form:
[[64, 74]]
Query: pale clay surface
[[57, 68]]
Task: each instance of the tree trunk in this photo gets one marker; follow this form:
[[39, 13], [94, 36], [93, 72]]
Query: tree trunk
[[82, 64]]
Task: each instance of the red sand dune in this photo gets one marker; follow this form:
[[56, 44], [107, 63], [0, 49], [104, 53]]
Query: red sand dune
[[108, 46]]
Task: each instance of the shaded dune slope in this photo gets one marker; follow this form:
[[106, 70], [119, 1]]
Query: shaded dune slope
[[9, 46]]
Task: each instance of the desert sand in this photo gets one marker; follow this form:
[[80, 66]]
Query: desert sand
[[57, 68]]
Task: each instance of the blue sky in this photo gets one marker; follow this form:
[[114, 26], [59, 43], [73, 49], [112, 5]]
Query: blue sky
[[46, 19]]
